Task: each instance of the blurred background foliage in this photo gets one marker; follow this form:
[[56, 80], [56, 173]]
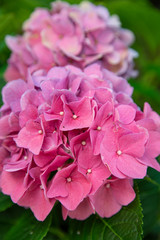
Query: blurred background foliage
[[143, 18]]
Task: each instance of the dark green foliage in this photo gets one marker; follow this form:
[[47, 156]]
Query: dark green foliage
[[28, 228], [127, 224]]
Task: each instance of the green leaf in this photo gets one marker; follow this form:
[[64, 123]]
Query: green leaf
[[150, 195], [127, 224], [28, 228], [5, 202]]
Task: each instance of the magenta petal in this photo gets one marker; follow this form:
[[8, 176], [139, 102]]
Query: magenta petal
[[30, 137], [58, 188], [29, 113], [65, 185], [5, 128], [83, 211], [13, 184], [44, 158], [104, 202], [39, 204], [77, 115], [123, 191], [133, 143], [131, 167], [73, 199]]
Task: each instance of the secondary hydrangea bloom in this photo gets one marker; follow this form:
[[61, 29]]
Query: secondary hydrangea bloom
[[75, 137], [71, 34]]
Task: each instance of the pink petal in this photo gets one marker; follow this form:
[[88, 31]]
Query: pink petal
[[39, 204], [131, 167], [125, 114], [83, 211], [123, 191], [29, 137], [13, 184], [12, 93], [82, 110], [104, 202], [133, 143], [70, 45]]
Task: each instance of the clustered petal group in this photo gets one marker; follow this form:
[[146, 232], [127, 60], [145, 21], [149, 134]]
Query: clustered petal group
[[71, 34], [72, 133]]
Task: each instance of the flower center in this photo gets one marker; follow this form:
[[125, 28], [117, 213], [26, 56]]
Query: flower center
[[61, 113], [83, 143], [40, 132], [69, 179], [108, 185], [89, 170], [119, 152], [74, 116], [98, 128]]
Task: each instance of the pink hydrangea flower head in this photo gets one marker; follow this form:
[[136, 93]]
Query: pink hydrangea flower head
[[74, 136], [77, 34]]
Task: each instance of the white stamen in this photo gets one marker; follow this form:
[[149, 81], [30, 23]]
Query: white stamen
[[59, 168], [54, 131], [41, 187], [25, 157], [108, 185], [98, 128], [89, 170], [40, 132], [69, 179], [61, 113], [83, 143], [119, 152], [74, 116]]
